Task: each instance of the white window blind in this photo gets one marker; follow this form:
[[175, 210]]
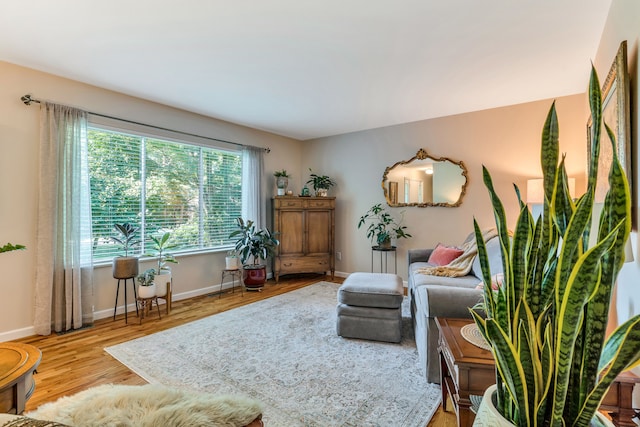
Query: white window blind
[[192, 191]]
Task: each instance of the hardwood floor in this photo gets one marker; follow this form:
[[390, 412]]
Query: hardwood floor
[[75, 361]]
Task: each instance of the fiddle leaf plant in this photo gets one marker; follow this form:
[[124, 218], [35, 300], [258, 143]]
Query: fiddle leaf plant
[[382, 225], [160, 245], [546, 324], [126, 236]]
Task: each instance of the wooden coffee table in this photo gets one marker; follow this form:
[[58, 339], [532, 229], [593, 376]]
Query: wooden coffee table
[[466, 369], [18, 362]]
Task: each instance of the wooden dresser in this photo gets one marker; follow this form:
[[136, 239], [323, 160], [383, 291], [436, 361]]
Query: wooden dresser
[[306, 230]]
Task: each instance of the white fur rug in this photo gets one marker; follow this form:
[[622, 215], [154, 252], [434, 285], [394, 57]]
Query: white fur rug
[[148, 406], [284, 352]]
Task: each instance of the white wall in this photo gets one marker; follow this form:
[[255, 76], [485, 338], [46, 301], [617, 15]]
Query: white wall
[[506, 140], [19, 162]]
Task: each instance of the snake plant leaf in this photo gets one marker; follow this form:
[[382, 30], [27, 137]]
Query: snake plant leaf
[[511, 369], [584, 279], [620, 353], [549, 151], [499, 214], [572, 241], [546, 367], [595, 105], [490, 304], [522, 237]]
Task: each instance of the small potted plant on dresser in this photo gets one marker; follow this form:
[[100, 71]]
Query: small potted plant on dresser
[[383, 226], [162, 271], [125, 267], [320, 183], [282, 181], [256, 245]]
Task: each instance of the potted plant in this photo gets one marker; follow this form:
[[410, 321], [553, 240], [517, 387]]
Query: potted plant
[[8, 247], [160, 245], [546, 324], [320, 183], [282, 181], [147, 285], [256, 245], [231, 260], [383, 226], [125, 267]]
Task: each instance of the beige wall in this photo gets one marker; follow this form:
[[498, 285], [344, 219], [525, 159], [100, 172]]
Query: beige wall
[[505, 140], [196, 274]]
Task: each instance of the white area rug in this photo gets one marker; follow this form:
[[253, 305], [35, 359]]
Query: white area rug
[[284, 351]]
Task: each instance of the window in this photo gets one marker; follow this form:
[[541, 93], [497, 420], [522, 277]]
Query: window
[[158, 185]]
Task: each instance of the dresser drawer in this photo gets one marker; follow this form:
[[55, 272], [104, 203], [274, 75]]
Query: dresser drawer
[[288, 202], [320, 203], [303, 263]]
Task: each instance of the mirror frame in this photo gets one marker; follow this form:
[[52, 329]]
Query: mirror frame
[[422, 155]]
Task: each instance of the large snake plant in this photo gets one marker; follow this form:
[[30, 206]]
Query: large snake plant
[[546, 324]]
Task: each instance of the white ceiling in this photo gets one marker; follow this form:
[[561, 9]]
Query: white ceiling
[[306, 69]]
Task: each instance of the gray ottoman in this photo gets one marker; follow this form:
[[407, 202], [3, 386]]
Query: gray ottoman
[[369, 307]]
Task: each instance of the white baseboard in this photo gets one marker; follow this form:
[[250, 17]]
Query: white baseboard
[[17, 334]]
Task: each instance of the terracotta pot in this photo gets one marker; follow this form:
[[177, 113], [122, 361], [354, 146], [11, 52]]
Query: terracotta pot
[[125, 267], [254, 277]]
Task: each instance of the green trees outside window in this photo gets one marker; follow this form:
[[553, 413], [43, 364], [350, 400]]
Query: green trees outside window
[[192, 191]]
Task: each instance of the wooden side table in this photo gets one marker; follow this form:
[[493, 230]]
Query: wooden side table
[[18, 362], [466, 369]]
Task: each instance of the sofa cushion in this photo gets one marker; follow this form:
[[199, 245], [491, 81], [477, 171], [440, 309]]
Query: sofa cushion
[[443, 255]]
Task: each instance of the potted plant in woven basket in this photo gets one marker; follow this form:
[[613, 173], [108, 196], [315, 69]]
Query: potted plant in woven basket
[[546, 324]]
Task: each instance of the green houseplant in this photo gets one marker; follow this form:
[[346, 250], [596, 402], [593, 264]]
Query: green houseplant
[[8, 247], [546, 323], [320, 183], [282, 181], [253, 244], [146, 280], [126, 266], [160, 245], [382, 226]]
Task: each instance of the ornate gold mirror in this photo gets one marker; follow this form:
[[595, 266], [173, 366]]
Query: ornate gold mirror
[[424, 181]]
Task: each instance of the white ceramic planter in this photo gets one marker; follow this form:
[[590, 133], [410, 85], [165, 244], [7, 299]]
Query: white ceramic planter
[[147, 291], [231, 263], [488, 415], [162, 281]]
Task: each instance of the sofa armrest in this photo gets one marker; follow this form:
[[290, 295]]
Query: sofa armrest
[[448, 301], [418, 255]]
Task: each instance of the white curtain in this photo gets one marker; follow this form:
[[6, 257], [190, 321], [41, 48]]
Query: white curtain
[[252, 168], [64, 271]]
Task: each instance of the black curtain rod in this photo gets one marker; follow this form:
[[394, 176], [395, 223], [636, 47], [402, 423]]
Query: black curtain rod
[[27, 99]]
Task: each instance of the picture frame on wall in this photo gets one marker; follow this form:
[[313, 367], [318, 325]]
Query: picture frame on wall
[[615, 114]]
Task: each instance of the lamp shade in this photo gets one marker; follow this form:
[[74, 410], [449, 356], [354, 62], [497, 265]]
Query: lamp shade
[[535, 190]]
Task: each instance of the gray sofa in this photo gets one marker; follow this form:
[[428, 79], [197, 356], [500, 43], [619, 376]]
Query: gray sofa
[[436, 296]]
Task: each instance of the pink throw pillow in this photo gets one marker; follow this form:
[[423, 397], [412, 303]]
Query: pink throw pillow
[[443, 255]]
